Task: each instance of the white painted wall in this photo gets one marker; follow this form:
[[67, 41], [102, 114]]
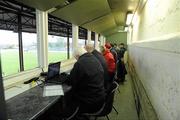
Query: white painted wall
[[155, 53]]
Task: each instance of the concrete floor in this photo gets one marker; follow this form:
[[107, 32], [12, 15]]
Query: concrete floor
[[124, 103]]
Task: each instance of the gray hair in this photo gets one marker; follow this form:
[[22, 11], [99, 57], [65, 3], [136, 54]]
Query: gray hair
[[77, 52], [89, 47]]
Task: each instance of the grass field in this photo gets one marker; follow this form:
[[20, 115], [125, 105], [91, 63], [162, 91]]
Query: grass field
[[10, 60]]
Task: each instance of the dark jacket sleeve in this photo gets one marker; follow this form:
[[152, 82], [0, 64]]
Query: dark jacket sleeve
[[74, 75]]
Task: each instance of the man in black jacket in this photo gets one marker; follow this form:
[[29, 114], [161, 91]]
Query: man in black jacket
[[90, 48], [121, 69], [86, 79]]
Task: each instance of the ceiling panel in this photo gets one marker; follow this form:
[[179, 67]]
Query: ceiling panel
[[119, 9], [83, 11], [42, 4], [102, 16], [119, 17], [101, 24], [113, 30], [123, 5]]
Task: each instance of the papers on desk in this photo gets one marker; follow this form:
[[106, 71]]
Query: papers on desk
[[53, 90]]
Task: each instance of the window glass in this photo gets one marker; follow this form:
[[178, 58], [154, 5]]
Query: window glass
[[30, 50], [81, 42], [9, 52], [57, 48]]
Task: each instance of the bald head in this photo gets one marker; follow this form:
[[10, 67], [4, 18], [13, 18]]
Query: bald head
[[89, 48]]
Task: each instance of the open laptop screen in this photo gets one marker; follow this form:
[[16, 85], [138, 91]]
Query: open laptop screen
[[53, 70]]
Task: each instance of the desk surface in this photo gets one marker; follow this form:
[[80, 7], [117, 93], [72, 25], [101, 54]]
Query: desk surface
[[30, 104]]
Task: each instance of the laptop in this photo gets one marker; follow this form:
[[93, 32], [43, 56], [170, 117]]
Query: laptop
[[53, 74]]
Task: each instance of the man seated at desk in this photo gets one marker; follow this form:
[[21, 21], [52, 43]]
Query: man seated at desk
[[87, 81]]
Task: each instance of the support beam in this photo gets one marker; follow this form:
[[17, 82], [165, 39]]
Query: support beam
[[85, 40], [96, 41], [68, 44], [3, 115], [75, 36], [89, 37], [102, 40], [20, 43], [42, 37]]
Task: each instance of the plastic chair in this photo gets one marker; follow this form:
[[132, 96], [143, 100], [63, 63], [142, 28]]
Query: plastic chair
[[109, 102], [88, 115], [71, 117]]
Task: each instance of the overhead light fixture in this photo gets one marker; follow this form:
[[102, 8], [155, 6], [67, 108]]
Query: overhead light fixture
[[129, 18]]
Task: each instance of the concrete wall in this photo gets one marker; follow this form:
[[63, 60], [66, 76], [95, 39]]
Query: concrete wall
[[120, 37], [154, 49]]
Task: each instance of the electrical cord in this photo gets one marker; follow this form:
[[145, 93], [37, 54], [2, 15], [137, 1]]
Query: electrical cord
[[40, 84]]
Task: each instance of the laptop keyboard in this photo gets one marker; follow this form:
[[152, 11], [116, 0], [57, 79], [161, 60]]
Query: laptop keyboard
[[58, 80]]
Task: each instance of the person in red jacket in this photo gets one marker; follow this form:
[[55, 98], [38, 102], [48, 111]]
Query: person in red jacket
[[110, 62]]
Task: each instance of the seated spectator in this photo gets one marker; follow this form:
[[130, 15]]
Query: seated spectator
[[86, 79], [112, 50], [90, 48], [110, 62]]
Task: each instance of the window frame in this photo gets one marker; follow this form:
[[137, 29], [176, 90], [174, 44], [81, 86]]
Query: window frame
[[17, 17]]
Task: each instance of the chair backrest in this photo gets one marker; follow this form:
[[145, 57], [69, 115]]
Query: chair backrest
[[95, 113], [109, 99], [73, 114]]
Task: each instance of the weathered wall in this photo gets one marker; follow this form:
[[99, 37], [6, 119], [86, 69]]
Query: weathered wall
[[154, 50], [120, 37], [144, 108]]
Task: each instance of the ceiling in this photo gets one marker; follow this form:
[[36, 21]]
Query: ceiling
[[102, 16]]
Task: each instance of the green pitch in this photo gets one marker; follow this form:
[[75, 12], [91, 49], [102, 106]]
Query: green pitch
[[10, 60]]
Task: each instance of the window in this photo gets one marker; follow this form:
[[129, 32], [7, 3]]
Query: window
[[17, 54], [82, 36], [57, 48], [81, 42], [9, 52], [30, 50], [59, 31]]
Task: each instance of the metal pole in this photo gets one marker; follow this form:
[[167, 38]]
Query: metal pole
[[3, 115], [20, 43], [86, 38], [68, 44]]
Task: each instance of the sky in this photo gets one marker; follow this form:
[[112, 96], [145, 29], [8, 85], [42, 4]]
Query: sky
[[8, 37]]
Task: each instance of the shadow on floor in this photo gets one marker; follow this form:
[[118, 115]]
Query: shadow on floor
[[124, 103]]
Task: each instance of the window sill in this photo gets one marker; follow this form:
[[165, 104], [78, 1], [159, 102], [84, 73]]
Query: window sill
[[18, 78], [14, 84]]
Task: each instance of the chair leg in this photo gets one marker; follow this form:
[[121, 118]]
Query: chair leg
[[107, 117], [115, 109]]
